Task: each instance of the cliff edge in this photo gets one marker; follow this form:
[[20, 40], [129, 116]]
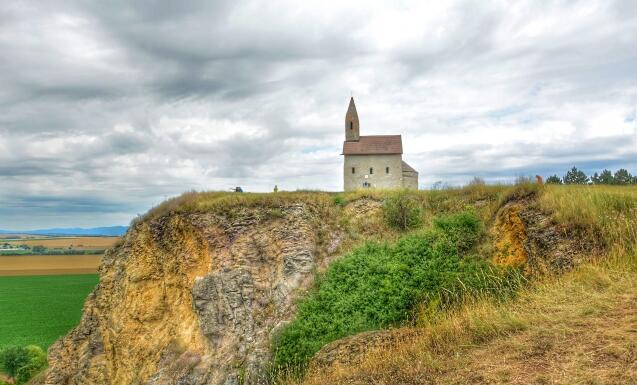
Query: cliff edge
[[194, 297]]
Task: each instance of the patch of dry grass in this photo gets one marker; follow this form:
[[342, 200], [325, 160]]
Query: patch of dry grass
[[608, 212]]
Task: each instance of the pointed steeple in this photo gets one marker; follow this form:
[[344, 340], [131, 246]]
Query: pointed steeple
[[352, 129]]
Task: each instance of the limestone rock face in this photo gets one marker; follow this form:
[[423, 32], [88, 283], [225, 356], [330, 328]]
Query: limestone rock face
[[192, 299]]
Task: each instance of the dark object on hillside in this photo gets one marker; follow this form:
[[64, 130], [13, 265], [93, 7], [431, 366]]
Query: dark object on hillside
[[539, 180], [237, 189]]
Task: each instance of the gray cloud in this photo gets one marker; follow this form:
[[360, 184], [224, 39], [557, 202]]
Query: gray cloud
[[109, 107]]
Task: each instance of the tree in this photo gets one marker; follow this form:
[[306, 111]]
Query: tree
[[38, 249], [606, 177], [575, 176], [554, 179], [13, 358], [22, 363], [622, 176]]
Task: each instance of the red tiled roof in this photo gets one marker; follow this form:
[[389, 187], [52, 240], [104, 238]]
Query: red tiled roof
[[374, 144]]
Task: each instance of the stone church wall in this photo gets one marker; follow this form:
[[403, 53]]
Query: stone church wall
[[380, 178], [410, 180]]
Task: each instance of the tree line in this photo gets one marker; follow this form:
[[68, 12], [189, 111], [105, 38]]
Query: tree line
[[576, 176]]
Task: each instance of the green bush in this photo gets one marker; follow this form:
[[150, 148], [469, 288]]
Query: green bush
[[339, 200], [402, 211], [13, 358], [25, 373], [463, 229], [22, 363], [379, 285]]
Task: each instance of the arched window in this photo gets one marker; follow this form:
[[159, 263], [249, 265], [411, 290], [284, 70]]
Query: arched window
[[351, 125], [371, 170], [386, 170], [353, 170]]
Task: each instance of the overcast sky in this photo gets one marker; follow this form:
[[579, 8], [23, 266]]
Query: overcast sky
[[107, 108]]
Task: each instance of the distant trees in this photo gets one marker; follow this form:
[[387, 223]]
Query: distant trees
[[576, 176], [554, 179], [38, 249], [622, 176], [606, 177]]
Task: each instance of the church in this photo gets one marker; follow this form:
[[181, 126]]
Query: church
[[373, 161]]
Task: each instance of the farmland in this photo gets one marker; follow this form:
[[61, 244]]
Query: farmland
[[48, 264], [39, 309], [52, 255], [78, 243]]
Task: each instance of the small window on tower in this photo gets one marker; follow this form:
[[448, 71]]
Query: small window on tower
[[351, 125], [386, 170], [353, 170], [371, 170]]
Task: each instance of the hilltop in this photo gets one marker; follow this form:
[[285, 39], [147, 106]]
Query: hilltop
[[372, 286]]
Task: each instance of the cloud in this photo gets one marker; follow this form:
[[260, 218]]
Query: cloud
[[109, 107]]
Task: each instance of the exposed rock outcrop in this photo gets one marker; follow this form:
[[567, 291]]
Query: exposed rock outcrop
[[526, 236], [193, 298]]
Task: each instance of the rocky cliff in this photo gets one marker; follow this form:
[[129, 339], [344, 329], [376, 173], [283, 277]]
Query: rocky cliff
[[195, 297], [196, 289]]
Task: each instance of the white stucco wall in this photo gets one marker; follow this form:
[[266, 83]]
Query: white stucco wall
[[380, 178]]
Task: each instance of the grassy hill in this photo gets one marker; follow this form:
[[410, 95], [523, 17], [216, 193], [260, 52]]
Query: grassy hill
[[574, 325]]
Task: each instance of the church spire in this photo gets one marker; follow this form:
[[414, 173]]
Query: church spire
[[352, 129]]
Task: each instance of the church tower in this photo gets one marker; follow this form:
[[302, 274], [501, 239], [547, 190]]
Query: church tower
[[352, 129]]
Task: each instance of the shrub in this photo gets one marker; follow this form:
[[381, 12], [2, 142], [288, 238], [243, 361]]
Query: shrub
[[401, 211], [463, 229], [22, 363], [379, 285], [13, 358], [26, 372], [339, 200]]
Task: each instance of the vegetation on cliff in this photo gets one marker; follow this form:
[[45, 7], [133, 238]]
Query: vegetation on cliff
[[379, 285], [572, 328]]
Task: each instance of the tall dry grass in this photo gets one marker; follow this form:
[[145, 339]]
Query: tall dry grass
[[608, 212]]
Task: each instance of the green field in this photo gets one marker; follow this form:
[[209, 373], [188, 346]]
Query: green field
[[40, 309]]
